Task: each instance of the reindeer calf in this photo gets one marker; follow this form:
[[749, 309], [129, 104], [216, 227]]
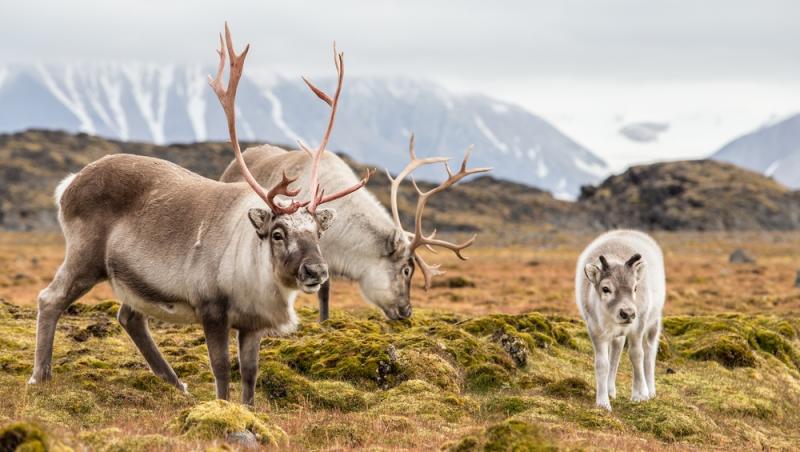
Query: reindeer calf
[[620, 289]]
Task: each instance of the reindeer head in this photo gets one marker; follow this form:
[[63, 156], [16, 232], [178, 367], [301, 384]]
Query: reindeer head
[[389, 285], [291, 230], [617, 286]]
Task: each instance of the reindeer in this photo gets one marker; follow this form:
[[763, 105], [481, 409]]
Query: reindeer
[[366, 244], [622, 298], [178, 247]]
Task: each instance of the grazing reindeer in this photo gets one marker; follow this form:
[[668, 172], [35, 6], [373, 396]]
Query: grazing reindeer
[[366, 244], [178, 247], [620, 289]]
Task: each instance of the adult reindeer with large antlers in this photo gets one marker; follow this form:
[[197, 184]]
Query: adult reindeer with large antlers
[[366, 244], [182, 248]]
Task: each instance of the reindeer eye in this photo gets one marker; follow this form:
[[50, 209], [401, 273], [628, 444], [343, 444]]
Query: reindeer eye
[[606, 290], [407, 272], [277, 236]]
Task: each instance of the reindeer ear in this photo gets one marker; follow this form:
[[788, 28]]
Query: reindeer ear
[[325, 218], [592, 272], [260, 219]]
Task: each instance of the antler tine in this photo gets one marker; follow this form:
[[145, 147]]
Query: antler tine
[[420, 239], [346, 191], [428, 271], [317, 195], [227, 98], [410, 167]]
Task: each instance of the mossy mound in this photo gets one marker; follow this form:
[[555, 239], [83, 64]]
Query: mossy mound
[[218, 419], [570, 387], [667, 419], [733, 340], [511, 435], [422, 400], [434, 369], [23, 436], [435, 349], [283, 385], [533, 328], [348, 355]]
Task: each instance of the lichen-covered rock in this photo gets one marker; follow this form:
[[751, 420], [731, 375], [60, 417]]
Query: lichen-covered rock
[[217, 419]]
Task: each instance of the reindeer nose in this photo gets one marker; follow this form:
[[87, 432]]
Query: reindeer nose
[[627, 314], [404, 311], [313, 273]]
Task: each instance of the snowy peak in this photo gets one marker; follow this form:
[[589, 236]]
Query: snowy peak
[[773, 150], [166, 103]]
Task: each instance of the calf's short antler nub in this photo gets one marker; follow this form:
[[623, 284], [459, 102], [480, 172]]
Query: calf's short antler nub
[[227, 98], [418, 237]]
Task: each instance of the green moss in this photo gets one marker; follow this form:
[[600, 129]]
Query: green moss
[[434, 369], [217, 419], [279, 383], [516, 435], [348, 355], [570, 387], [666, 419], [483, 377], [505, 405], [543, 332], [733, 340], [65, 406], [107, 307], [23, 436], [422, 400]]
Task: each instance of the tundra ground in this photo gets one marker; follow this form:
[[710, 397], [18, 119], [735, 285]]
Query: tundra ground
[[494, 356]]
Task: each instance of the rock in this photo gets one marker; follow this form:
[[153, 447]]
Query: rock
[[514, 346], [741, 256], [244, 439], [797, 280]]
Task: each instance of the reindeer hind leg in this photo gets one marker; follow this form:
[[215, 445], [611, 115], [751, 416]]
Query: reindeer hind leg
[[136, 325], [76, 276]]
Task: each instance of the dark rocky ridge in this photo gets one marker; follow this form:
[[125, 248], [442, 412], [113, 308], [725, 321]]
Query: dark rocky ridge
[[694, 195]]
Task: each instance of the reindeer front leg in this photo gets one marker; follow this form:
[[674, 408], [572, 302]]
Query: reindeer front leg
[[639, 390], [249, 342], [601, 370], [215, 328]]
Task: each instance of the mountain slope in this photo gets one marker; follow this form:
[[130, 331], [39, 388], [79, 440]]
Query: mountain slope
[[702, 195], [693, 195], [35, 161], [163, 104], [773, 150]]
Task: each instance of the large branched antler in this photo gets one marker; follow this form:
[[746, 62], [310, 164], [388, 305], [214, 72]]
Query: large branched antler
[[227, 97], [418, 238], [317, 194]]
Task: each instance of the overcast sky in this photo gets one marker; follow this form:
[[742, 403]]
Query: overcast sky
[[710, 69]]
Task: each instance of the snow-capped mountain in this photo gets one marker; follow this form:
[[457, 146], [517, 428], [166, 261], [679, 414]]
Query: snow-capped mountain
[[161, 104], [773, 150]]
